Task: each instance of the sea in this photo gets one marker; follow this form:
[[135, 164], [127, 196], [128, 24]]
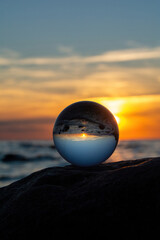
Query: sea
[[18, 159]]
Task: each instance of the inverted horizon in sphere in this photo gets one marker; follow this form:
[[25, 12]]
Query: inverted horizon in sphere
[[85, 133]]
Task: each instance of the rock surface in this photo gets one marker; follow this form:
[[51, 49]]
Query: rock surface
[[120, 198]]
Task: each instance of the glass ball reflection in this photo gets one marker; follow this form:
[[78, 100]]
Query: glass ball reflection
[[85, 133]]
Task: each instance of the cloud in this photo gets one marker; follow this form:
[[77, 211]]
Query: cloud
[[41, 120], [27, 73], [39, 61], [65, 49], [104, 81], [9, 53], [27, 128], [5, 61], [37, 89], [123, 55], [33, 89]]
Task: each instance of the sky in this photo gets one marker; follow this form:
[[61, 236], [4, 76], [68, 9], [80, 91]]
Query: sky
[[54, 53]]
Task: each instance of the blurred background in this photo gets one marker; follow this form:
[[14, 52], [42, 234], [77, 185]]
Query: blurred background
[[56, 52]]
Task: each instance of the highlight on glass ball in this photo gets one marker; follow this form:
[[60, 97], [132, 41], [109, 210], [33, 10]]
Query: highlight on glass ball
[[85, 133]]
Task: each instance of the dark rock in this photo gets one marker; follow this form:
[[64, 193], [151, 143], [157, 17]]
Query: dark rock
[[111, 200]]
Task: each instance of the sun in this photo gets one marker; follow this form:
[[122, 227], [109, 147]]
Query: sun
[[115, 106], [117, 119], [83, 135]]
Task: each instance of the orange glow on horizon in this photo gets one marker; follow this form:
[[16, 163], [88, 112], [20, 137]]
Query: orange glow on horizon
[[138, 117]]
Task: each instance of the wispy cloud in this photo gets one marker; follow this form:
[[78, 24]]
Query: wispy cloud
[[20, 72], [126, 55], [41, 87], [107, 81], [122, 55]]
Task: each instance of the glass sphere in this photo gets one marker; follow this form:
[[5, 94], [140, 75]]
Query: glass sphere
[[85, 133]]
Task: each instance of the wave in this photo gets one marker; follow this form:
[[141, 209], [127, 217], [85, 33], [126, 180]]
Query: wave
[[5, 178], [10, 178], [10, 157], [35, 145], [21, 158]]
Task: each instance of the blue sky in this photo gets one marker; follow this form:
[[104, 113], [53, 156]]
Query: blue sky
[[40, 27]]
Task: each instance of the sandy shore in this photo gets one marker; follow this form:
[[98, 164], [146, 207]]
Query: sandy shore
[[115, 198]]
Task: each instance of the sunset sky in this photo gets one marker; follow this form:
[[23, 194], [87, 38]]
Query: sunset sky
[[56, 52]]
